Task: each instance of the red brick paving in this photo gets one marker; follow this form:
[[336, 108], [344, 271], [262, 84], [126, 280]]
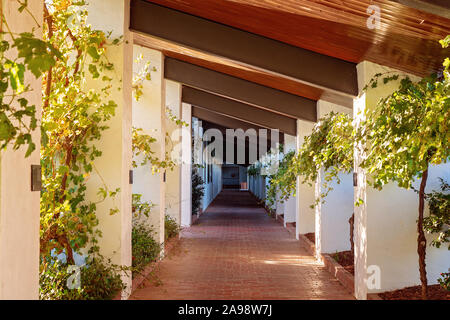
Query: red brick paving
[[236, 251]]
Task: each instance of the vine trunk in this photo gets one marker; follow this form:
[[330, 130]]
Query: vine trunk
[[421, 240]]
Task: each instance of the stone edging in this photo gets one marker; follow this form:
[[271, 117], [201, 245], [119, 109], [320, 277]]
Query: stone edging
[[308, 245], [338, 271], [150, 267], [168, 246], [342, 275]]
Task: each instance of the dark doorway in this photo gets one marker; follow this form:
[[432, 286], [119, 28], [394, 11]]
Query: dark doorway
[[230, 177]]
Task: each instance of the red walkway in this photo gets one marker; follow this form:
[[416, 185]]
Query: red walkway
[[236, 251]]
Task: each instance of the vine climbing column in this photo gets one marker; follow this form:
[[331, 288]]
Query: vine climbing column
[[386, 220], [332, 227], [19, 205], [186, 166], [376, 219], [113, 167], [149, 114], [173, 149], [305, 192], [290, 144]]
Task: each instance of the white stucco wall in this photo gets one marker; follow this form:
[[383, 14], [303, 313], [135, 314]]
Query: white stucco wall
[[258, 180], [149, 114], [242, 174], [333, 229], [256, 189], [386, 223], [257, 186], [173, 177], [251, 184], [213, 188], [19, 206]]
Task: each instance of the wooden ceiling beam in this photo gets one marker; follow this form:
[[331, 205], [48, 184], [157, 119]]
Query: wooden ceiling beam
[[222, 65], [242, 90], [407, 38], [248, 48], [222, 120], [239, 110]]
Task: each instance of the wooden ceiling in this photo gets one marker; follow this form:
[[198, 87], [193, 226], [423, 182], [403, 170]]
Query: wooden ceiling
[[245, 72], [406, 40]]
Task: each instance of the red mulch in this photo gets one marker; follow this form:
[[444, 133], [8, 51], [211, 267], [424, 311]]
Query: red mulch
[[435, 292], [346, 260], [311, 237]]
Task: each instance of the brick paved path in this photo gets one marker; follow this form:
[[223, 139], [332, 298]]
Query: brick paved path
[[237, 252]]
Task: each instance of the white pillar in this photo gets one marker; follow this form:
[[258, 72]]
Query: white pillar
[[385, 225], [290, 144], [19, 206], [198, 143], [115, 163], [186, 167], [262, 186], [365, 71], [149, 114], [279, 206], [332, 227], [173, 143], [305, 221]]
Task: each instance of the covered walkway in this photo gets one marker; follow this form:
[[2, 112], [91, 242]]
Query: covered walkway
[[236, 251]]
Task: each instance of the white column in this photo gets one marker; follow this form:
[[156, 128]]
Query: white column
[[279, 206], [19, 206], [115, 163], [363, 250], [385, 225], [318, 217], [332, 227], [360, 220], [305, 221], [186, 167], [261, 184], [173, 143], [198, 144], [149, 114], [290, 144]]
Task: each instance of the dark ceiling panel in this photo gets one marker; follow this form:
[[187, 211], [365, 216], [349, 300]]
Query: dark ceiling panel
[[222, 120], [242, 90], [239, 110], [245, 72]]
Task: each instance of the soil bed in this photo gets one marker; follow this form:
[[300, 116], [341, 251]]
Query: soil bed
[[346, 260], [311, 237], [435, 292]]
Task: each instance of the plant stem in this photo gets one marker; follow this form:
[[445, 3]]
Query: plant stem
[[29, 12], [48, 18], [351, 221], [421, 240]]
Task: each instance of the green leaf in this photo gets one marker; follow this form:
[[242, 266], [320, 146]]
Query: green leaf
[[92, 51], [93, 70], [16, 77], [30, 149]]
